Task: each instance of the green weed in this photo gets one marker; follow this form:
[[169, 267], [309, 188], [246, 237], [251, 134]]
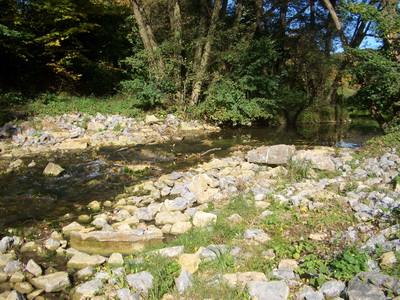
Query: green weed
[[164, 270]]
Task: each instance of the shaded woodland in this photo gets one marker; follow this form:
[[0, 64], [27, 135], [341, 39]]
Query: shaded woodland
[[228, 62]]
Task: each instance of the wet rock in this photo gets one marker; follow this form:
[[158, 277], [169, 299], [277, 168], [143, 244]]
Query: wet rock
[[94, 206], [16, 164], [274, 155], [87, 290], [5, 244], [83, 260], [141, 282], [203, 219], [184, 281], [52, 282], [273, 290], [109, 242], [53, 169]]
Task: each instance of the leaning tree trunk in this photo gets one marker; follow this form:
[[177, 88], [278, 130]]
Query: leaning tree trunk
[[149, 42], [201, 72], [174, 10]]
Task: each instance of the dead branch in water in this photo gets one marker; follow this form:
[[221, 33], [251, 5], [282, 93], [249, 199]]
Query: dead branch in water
[[210, 150]]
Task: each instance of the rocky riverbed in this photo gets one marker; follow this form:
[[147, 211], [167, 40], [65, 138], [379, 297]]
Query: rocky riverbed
[[78, 132], [98, 256]]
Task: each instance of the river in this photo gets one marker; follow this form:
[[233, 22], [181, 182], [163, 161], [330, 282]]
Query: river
[[28, 195]]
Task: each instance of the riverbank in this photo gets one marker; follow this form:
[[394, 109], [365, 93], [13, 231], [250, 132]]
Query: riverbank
[[269, 221]]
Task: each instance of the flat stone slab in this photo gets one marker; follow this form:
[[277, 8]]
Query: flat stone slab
[[109, 242], [52, 282], [274, 155]]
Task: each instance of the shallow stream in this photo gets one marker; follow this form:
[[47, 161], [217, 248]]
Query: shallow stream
[[28, 195]]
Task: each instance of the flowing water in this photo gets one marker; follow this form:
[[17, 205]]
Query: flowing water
[[29, 195]]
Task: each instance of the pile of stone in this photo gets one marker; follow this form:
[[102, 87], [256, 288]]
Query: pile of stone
[[79, 131], [175, 203]]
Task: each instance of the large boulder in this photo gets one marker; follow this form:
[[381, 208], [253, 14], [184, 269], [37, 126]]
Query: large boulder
[[273, 155], [109, 242]]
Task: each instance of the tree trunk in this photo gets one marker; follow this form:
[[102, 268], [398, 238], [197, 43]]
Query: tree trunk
[[378, 116], [176, 28], [200, 73], [149, 42], [201, 35]]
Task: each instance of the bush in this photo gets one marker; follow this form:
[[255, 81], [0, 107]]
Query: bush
[[143, 94], [226, 104]]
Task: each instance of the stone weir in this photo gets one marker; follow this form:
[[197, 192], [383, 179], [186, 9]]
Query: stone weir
[[77, 132]]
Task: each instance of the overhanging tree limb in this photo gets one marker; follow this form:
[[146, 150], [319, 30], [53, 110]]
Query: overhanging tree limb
[[336, 21]]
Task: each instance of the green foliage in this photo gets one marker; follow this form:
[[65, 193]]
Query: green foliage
[[379, 145], [349, 264], [67, 44], [53, 104], [379, 80], [394, 270], [224, 263], [297, 171], [194, 239], [226, 103], [314, 269], [163, 269], [143, 94], [317, 270], [220, 290]]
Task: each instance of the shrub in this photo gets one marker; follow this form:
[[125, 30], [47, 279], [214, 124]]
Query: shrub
[[227, 104]]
